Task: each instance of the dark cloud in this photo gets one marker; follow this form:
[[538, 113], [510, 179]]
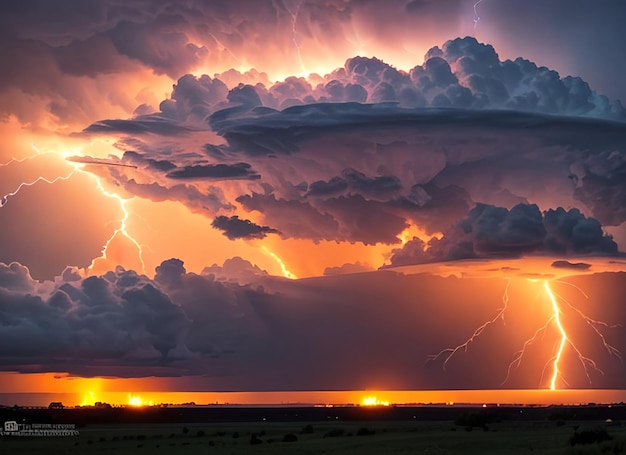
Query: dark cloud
[[571, 265], [356, 182], [600, 183], [138, 158], [215, 171], [158, 45], [206, 201], [260, 336], [235, 228], [141, 125], [496, 232], [194, 98], [462, 74], [118, 316], [296, 219], [499, 125], [339, 166]]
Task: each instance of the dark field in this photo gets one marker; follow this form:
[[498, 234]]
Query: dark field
[[397, 430]]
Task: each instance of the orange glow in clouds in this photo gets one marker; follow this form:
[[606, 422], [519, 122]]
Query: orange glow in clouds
[[96, 266]]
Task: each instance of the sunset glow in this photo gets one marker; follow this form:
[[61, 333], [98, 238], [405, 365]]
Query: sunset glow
[[373, 401]]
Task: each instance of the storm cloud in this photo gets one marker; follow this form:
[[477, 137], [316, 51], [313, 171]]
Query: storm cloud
[[490, 232], [234, 228], [462, 129], [241, 329]]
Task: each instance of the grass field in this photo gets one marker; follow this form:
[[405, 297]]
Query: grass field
[[543, 437]]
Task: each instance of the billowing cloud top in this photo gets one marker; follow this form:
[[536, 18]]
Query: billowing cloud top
[[366, 151], [490, 232]]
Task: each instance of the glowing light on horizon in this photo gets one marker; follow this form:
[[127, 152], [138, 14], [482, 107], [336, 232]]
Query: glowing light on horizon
[[373, 401], [556, 308], [135, 400], [89, 399], [286, 273]]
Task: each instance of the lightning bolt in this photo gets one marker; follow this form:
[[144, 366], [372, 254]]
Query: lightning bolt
[[37, 154], [222, 47], [448, 353], [294, 32], [557, 305], [476, 15], [5, 198], [283, 267], [564, 338], [120, 230], [76, 168]]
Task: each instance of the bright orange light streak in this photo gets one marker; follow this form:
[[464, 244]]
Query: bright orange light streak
[[76, 167], [561, 329], [6, 197], [450, 352], [294, 33], [283, 267], [120, 230], [557, 303], [27, 158]]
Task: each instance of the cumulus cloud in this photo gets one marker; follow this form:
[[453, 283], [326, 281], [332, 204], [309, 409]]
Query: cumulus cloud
[[239, 329], [122, 319], [236, 269], [463, 73], [490, 232], [119, 316]]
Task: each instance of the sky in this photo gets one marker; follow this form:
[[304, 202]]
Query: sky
[[281, 195]]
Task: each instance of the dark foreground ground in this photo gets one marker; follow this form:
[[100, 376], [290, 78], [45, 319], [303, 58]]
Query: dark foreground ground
[[337, 430]]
